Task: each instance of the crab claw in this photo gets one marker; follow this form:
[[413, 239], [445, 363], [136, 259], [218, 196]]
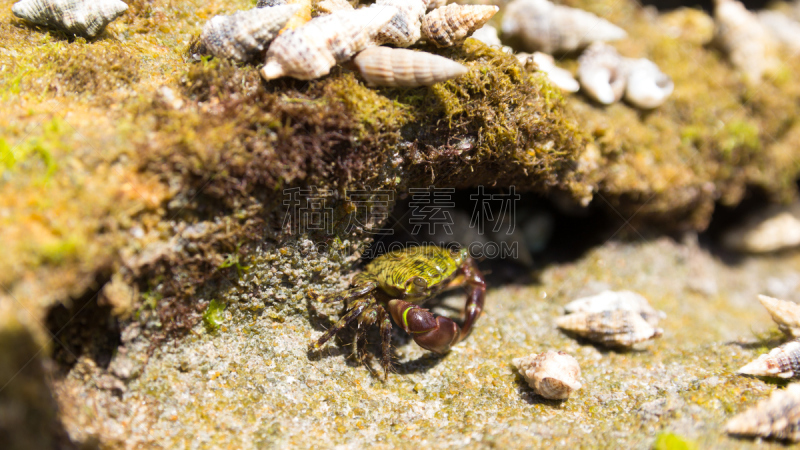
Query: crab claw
[[431, 332]]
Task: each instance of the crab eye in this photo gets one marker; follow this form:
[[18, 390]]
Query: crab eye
[[417, 285]]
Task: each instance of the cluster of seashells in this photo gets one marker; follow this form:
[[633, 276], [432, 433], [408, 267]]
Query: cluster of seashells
[[86, 18], [340, 32], [553, 375], [779, 416], [544, 28], [612, 318]]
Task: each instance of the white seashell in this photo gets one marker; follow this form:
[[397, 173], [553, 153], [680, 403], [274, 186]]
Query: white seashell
[[263, 3], [245, 34], [539, 25], [741, 36], [331, 6], [616, 300], [452, 24], [433, 4], [562, 78], [784, 313], [618, 328], [647, 87], [782, 27], [781, 362], [404, 28], [488, 35], [384, 66], [776, 228], [553, 375], [86, 18], [602, 73], [310, 51], [777, 417]]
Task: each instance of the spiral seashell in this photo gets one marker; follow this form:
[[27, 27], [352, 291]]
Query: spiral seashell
[[539, 25], [384, 66], [86, 18], [616, 300], [618, 328], [780, 362], [773, 229], [433, 4], [784, 313], [331, 6], [777, 417], [647, 86], [488, 35], [741, 36], [245, 34], [263, 3], [562, 78], [452, 24], [311, 50], [602, 73], [553, 375], [404, 28]]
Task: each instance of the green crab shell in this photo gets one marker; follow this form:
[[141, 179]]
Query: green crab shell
[[414, 273]]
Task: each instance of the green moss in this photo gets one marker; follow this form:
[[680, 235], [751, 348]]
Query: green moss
[[213, 317], [671, 441]]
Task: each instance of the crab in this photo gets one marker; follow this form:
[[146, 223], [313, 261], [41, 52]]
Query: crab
[[399, 282]]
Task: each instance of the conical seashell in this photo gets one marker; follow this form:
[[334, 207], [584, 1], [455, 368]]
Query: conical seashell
[[86, 18], [310, 51], [616, 300], [784, 313], [613, 328], [331, 6], [245, 34], [741, 36], [263, 3], [433, 4], [384, 66], [539, 25], [562, 78], [777, 417], [551, 374], [488, 35], [776, 228], [781, 362], [301, 16], [601, 72], [404, 28], [647, 86], [452, 24], [782, 27]]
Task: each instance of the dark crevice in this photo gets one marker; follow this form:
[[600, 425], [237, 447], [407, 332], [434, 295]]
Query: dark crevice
[[708, 5], [84, 328]]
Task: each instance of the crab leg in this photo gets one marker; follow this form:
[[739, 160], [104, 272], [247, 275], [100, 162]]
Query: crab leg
[[386, 340], [355, 310], [431, 332], [476, 292], [354, 292]]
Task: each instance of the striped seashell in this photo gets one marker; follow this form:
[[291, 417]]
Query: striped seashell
[[777, 417], [86, 18], [331, 6], [616, 300], [539, 25], [384, 66], [602, 73], [553, 375], [749, 46], [404, 28], [452, 24], [784, 313], [311, 50], [618, 328], [780, 362], [647, 86], [301, 16], [543, 62], [244, 35]]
